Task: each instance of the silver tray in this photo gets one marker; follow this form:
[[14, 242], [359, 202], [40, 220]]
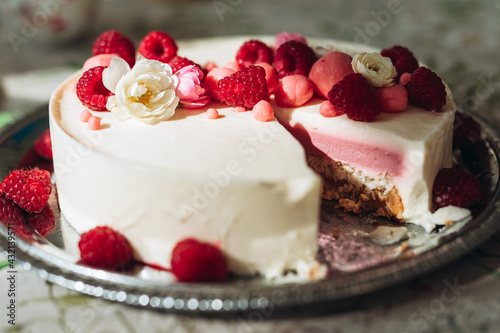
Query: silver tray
[[357, 265]]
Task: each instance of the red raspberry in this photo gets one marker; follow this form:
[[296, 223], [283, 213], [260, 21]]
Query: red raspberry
[[44, 222], [43, 145], [29, 189], [293, 58], [403, 59], [114, 42], [455, 187], [254, 51], [104, 247], [12, 216], [159, 46], [466, 130], [179, 62], [426, 90], [355, 97], [91, 91], [245, 88], [196, 261]]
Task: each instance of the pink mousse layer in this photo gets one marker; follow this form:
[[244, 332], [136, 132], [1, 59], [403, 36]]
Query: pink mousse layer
[[359, 155]]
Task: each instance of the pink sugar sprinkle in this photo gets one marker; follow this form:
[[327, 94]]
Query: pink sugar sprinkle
[[210, 65], [327, 110], [212, 113], [404, 79], [85, 116], [94, 123], [263, 111], [239, 109]]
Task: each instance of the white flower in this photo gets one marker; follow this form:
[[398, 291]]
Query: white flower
[[378, 70], [146, 92]]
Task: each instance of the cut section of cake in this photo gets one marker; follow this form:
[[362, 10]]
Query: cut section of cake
[[386, 167]]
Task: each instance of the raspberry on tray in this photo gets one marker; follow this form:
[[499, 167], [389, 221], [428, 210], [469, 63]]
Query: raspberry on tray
[[113, 41]]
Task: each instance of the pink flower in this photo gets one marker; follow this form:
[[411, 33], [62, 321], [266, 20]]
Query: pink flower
[[192, 92], [286, 36]]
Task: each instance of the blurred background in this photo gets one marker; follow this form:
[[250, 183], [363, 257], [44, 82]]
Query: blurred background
[[457, 38]]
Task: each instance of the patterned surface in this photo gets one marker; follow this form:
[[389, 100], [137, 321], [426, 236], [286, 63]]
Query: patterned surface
[[457, 38]]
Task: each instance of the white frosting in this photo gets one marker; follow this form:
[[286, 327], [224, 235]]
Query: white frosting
[[234, 181]]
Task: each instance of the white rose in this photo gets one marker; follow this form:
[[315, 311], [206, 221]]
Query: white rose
[[146, 92], [378, 70]]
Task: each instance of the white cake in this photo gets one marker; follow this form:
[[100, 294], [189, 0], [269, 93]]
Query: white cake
[[236, 182]]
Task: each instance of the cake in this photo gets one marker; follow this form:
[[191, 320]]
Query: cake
[[250, 187]]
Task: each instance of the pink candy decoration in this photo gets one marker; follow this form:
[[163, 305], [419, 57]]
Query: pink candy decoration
[[393, 98], [263, 111], [327, 110], [210, 65], [328, 71], [271, 76], [85, 116], [404, 79], [212, 113], [213, 77], [293, 91], [191, 91], [286, 36], [239, 109], [234, 65], [98, 60], [94, 123]]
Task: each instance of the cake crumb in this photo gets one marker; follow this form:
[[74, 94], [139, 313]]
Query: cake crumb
[[335, 233], [448, 223]]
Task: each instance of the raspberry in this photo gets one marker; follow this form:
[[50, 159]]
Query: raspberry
[[43, 145], [159, 46], [355, 97], [455, 187], [29, 189], [244, 88], [179, 62], [294, 57], [13, 218], [196, 261], [426, 90], [113, 41], [254, 51], [403, 59], [44, 222], [103, 247], [91, 91], [466, 130]]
